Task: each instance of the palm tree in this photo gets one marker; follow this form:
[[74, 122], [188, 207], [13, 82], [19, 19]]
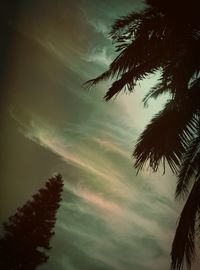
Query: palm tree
[[165, 38]]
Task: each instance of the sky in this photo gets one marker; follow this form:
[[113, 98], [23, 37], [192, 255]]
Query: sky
[[110, 219]]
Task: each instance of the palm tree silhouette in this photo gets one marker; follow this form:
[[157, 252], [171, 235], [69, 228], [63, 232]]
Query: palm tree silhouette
[[165, 38]]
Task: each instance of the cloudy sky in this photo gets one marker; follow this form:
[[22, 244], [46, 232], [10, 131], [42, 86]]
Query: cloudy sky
[[110, 219]]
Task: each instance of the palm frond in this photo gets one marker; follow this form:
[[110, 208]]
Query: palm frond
[[166, 137], [120, 65], [132, 54], [104, 76], [131, 20], [130, 78], [183, 247], [157, 90], [195, 84], [117, 86], [190, 165]]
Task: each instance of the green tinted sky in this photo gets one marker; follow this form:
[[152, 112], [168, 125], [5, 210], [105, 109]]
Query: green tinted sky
[[110, 219]]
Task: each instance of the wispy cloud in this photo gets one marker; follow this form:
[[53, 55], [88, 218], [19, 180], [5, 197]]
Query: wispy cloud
[[109, 219], [98, 55], [130, 208]]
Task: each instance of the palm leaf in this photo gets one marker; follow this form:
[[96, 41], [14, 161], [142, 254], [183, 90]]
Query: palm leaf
[[131, 20], [117, 86], [162, 37], [130, 78], [131, 54], [104, 76], [157, 90], [170, 132], [166, 137], [183, 247], [189, 167]]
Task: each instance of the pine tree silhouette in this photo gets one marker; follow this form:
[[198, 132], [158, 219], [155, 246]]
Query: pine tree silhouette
[[28, 232]]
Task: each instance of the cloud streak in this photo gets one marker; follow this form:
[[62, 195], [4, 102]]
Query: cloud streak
[[123, 203], [110, 219]]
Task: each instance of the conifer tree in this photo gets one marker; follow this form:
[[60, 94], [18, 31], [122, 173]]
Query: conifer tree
[[28, 232]]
